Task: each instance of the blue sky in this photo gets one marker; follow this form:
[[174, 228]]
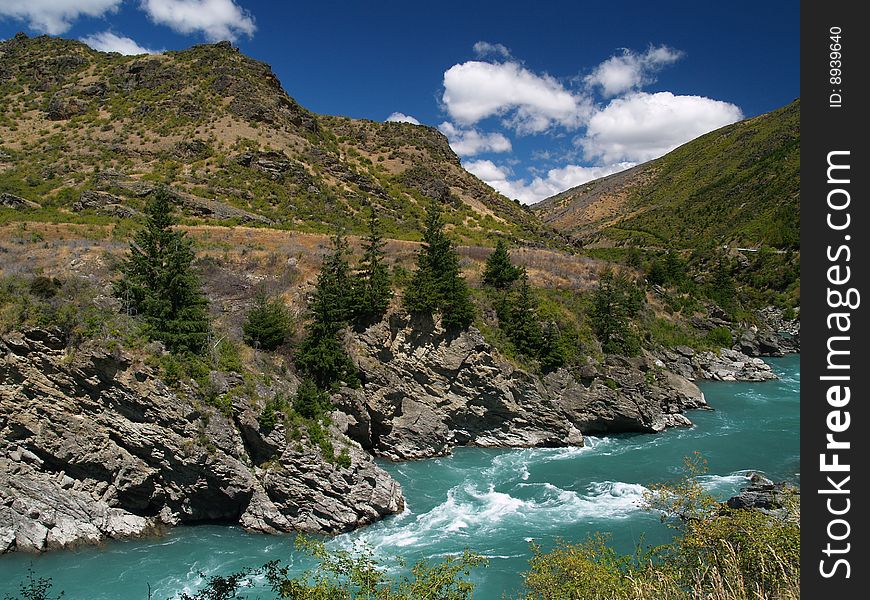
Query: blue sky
[[535, 97]]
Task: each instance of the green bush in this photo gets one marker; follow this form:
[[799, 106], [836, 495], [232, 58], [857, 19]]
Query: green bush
[[267, 325], [310, 401], [720, 337]]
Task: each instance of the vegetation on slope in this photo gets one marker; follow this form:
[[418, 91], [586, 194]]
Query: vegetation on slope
[[217, 127], [738, 185]]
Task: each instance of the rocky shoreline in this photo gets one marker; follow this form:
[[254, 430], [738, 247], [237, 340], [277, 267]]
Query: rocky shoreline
[[95, 446]]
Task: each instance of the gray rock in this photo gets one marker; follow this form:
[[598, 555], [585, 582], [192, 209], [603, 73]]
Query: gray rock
[[428, 390], [16, 202], [94, 446], [762, 493], [103, 203]]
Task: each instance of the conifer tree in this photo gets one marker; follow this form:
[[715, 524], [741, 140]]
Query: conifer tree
[[614, 303], [371, 285], [321, 354], [500, 272], [552, 354], [523, 326], [159, 283], [437, 284], [267, 324]]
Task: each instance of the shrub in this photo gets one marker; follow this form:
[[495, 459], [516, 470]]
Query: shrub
[[267, 325], [310, 401], [720, 337]]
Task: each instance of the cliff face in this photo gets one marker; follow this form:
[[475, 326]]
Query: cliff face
[[426, 390], [93, 446]]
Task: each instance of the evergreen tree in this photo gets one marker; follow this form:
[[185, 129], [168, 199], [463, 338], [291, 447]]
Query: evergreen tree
[[267, 324], [321, 355], [523, 327], [159, 284], [614, 303], [437, 284], [500, 272], [552, 354], [371, 285], [310, 401], [721, 288]]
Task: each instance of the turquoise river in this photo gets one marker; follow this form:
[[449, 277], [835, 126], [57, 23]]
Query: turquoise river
[[494, 502]]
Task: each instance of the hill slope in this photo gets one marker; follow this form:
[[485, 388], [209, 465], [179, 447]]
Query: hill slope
[[86, 131], [739, 184]]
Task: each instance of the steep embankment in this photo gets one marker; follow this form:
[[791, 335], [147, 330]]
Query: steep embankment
[[737, 185], [84, 135], [427, 390], [94, 445]]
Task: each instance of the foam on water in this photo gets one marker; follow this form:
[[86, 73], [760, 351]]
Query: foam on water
[[493, 502]]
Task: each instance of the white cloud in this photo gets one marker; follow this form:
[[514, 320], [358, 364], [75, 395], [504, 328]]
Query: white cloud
[[55, 16], [529, 103], [469, 142], [483, 49], [106, 41], [215, 19], [641, 126], [556, 180], [622, 73], [398, 117]]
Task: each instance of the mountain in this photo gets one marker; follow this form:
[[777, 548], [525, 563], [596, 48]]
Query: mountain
[[737, 185], [92, 132]]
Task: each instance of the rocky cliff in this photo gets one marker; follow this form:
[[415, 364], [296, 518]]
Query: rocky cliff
[[93, 445], [96, 446], [426, 390]]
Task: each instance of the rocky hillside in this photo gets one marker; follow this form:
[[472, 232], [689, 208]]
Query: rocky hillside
[[738, 185], [85, 135]]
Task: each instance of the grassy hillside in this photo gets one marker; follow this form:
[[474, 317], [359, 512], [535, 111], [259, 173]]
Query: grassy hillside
[[738, 185], [219, 129]]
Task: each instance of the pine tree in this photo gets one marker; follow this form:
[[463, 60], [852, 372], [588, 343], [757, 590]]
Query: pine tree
[[437, 284], [552, 354], [523, 327], [321, 354], [500, 272], [371, 285], [614, 303], [267, 324], [159, 284]]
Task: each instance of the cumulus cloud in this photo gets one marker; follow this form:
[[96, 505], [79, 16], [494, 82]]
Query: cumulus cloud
[[484, 49], [641, 126], [469, 142], [106, 41], [528, 102], [55, 16], [557, 180], [630, 70], [215, 19], [398, 117]]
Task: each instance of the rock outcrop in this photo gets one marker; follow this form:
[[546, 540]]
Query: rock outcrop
[[16, 202], [725, 365], [763, 494], [426, 390], [93, 446], [103, 203]]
